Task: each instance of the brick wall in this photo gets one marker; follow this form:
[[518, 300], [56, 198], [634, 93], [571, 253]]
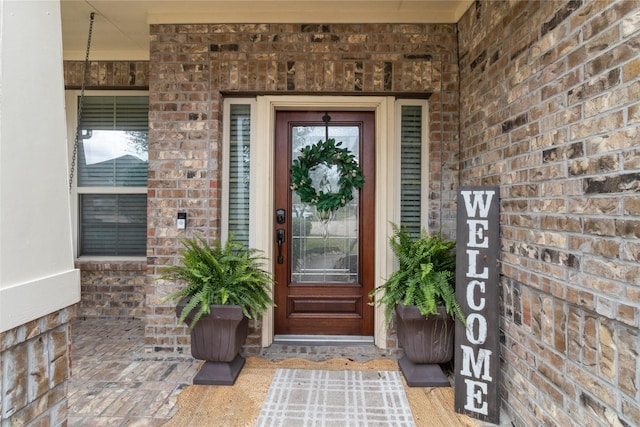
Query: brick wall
[[112, 289], [550, 112], [35, 367], [107, 75], [192, 66]]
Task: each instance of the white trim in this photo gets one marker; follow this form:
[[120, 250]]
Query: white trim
[[71, 107], [111, 259], [261, 194], [261, 186], [111, 190], [24, 302]]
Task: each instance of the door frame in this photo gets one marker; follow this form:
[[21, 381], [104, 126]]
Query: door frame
[[262, 193]]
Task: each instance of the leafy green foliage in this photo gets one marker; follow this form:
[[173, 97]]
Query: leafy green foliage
[[228, 274], [425, 277], [328, 153]]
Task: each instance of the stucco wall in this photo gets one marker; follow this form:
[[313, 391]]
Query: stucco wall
[[193, 66], [38, 282], [35, 226], [550, 112]]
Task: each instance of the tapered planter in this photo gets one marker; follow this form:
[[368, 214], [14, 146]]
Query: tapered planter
[[427, 342], [217, 339]]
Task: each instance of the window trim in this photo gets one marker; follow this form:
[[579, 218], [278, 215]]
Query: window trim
[[112, 190], [71, 97]]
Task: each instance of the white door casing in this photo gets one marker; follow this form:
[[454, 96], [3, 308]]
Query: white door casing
[[262, 173]]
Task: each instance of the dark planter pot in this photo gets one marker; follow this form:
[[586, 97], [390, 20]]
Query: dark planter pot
[[217, 338], [427, 342]]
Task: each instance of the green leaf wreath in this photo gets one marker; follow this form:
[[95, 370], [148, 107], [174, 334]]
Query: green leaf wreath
[[327, 153]]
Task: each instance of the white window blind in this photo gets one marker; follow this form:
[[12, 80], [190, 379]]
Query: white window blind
[[239, 146], [411, 167], [112, 175], [113, 224]]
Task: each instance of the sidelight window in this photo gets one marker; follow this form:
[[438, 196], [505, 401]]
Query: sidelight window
[[413, 164], [237, 149]]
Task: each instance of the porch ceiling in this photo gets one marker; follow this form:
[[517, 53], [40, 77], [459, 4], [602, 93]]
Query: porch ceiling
[[121, 28]]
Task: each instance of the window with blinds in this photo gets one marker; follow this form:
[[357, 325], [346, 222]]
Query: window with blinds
[[239, 150], [411, 167], [112, 166]]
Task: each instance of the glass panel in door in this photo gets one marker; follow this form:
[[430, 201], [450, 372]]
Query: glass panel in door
[[325, 245]]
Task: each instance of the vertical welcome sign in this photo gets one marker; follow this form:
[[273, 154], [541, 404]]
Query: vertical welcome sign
[[477, 347]]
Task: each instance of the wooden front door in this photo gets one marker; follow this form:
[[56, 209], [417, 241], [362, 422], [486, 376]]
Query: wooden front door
[[324, 267]]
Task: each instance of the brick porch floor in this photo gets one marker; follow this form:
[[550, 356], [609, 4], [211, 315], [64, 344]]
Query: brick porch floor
[[115, 383]]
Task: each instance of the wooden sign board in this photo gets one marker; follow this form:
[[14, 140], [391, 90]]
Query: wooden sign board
[[477, 347]]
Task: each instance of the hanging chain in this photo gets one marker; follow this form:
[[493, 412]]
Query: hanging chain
[[85, 72]]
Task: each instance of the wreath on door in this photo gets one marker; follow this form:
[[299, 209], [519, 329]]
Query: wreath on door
[[326, 153]]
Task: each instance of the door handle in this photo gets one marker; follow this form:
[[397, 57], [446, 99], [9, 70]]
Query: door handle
[[280, 241]]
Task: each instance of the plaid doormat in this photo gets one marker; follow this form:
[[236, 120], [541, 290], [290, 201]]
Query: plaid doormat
[[299, 397]]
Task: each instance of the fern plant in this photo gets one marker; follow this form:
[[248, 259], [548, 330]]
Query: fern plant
[[228, 274], [425, 277]]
